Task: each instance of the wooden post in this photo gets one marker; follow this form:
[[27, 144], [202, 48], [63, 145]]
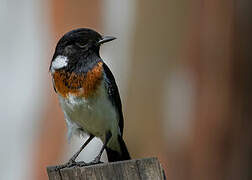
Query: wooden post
[[139, 169]]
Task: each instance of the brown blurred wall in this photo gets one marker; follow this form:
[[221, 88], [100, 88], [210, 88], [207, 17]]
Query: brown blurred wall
[[158, 34], [211, 40]]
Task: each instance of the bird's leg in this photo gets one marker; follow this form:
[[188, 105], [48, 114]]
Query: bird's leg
[[98, 157], [81, 148], [72, 162]]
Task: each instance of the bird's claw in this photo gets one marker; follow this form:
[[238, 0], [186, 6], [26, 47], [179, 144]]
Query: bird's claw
[[69, 164], [72, 163], [81, 164], [95, 161]]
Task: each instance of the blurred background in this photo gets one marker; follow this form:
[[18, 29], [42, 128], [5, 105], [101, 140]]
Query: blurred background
[[184, 72]]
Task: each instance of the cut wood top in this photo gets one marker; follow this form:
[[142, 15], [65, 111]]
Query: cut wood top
[[136, 169]]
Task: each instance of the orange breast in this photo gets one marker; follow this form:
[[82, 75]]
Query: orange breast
[[79, 85]]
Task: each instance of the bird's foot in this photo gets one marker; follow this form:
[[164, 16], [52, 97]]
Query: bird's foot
[[69, 164], [81, 164], [97, 160], [72, 163]]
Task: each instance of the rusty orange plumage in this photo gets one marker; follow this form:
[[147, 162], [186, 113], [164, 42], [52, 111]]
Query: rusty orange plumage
[[83, 85]]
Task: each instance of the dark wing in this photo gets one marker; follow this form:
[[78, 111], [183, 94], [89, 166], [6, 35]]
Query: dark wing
[[113, 94]]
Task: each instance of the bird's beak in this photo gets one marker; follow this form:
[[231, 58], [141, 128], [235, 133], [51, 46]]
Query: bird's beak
[[106, 39]]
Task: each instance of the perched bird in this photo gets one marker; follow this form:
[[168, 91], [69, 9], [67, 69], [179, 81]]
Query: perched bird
[[88, 93]]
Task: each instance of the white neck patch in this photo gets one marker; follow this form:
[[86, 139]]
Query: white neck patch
[[59, 62]]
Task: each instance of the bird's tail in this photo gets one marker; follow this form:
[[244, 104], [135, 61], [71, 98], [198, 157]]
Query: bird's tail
[[118, 156]]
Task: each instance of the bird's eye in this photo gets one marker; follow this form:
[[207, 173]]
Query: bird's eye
[[81, 45]]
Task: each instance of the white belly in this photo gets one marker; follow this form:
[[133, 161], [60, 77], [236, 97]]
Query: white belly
[[94, 115]]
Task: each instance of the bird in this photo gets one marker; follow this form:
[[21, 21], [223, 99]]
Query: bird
[[88, 94]]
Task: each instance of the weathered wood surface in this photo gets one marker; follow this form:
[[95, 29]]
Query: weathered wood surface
[[137, 169]]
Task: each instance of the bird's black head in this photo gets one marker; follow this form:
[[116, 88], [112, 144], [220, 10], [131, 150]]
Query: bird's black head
[[81, 41], [79, 47]]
